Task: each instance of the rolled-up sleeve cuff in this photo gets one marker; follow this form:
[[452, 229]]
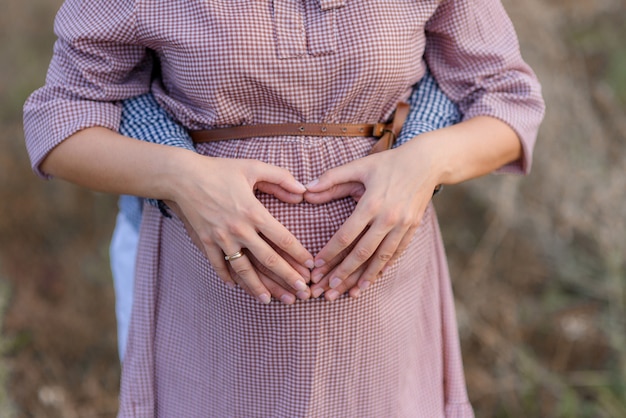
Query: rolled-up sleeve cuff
[[48, 124], [524, 118]]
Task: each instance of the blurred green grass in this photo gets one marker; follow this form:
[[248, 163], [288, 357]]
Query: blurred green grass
[[602, 44]]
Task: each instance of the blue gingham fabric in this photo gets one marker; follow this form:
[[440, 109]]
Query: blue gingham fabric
[[144, 119], [430, 110]]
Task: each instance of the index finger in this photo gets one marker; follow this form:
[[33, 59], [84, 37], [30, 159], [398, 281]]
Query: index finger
[[277, 235], [346, 235]]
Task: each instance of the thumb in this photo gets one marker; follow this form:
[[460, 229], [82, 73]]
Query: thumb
[[334, 177], [354, 190], [267, 173], [279, 192]]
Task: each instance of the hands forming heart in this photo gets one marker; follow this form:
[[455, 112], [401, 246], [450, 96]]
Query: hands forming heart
[[392, 191]]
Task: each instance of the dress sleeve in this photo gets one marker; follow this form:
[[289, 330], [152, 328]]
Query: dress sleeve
[[473, 52], [96, 62]]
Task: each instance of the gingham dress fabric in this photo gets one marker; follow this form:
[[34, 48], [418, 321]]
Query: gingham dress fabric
[[196, 347]]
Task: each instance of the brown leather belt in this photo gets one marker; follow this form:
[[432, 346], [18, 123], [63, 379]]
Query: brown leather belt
[[387, 132]]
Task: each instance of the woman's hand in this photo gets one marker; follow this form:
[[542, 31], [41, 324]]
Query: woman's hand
[[216, 198], [278, 288], [393, 189], [347, 285]]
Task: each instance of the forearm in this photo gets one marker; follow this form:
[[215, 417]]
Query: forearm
[[103, 160], [467, 150]]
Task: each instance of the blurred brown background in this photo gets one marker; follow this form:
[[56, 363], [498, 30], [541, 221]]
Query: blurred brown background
[[538, 263]]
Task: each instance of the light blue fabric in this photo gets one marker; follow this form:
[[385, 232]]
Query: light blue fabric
[[144, 119], [123, 252]]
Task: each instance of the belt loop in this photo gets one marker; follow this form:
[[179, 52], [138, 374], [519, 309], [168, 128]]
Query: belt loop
[[391, 131]]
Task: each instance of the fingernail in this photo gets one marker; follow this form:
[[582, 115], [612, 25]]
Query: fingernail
[[302, 186], [265, 298], [300, 285], [316, 292], [317, 277], [335, 282], [319, 263], [364, 285], [230, 285], [288, 299], [332, 294], [302, 295], [356, 293], [310, 264], [386, 269], [312, 183]]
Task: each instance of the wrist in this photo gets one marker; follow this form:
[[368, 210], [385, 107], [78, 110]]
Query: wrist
[[174, 172], [467, 150], [430, 150]]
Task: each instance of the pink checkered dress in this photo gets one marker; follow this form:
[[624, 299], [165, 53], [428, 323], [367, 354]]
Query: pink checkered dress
[[200, 349]]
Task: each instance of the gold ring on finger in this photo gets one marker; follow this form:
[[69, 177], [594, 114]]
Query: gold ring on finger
[[233, 256]]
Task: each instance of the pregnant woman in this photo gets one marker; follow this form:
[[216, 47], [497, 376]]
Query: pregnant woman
[[363, 224]]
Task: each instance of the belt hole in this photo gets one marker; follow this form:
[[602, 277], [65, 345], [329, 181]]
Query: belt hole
[[361, 129], [344, 129], [301, 129], [324, 129]]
